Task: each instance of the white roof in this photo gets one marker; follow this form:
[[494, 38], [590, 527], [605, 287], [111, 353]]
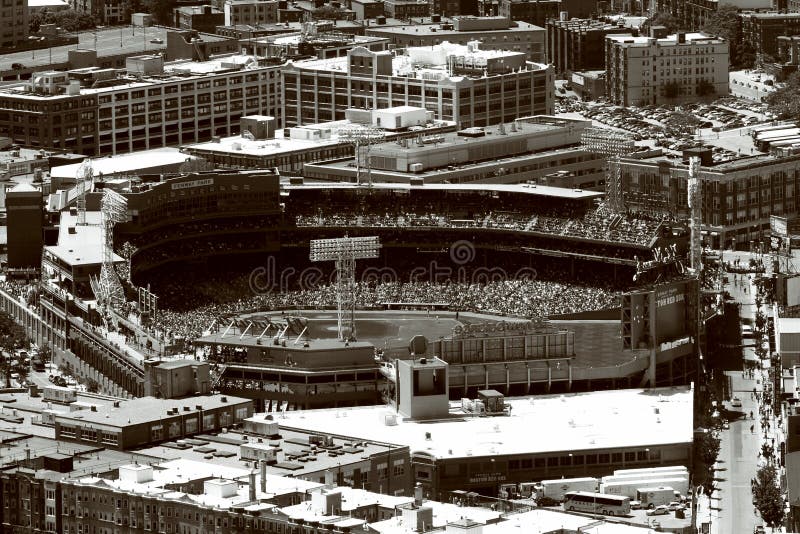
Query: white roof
[[47, 3], [84, 247], [183, 470], [126, 163], [443, 513], [586, 421], [670, 39]]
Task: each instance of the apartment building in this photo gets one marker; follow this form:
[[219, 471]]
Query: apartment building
[[693, 14], [494, 33], [762, 30], [674, 69], [109, 12], [251, 12], [579, 44], [536, 12], [14, 20], [464, 84], [153, 104], [407, 9]]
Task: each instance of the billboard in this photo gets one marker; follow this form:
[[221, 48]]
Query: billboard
[[778, 226], [671, 312]]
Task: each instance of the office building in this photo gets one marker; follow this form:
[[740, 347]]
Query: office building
[[199, 18], [679, 68], [739, 196], [14, 22], [494, 33], [467, 85], [25, 226], [250, 12], [578, 44], [152, 104]]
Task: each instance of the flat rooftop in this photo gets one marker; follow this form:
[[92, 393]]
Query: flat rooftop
[[588, 421], [183, 470], [178, 70], [281, 144], [668, 40], [107, 42], [435, 29], [294, 454], [85, 245], [125, 163], [429, 62], [145, 409]]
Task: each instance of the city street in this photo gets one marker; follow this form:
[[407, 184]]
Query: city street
[[731, 506]]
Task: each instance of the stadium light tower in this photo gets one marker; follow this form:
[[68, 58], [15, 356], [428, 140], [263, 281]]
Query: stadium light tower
[[84, 177], [345, 251], [612, 145], [108, 289], [359, 137], [695, 198]]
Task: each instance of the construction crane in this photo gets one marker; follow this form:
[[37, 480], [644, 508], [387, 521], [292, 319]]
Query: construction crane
[[84, 179]]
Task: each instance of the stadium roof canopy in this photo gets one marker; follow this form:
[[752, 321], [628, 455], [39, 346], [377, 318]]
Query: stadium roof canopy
[[527, 189]]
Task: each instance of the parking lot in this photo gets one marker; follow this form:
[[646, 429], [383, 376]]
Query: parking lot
[[676, 128]]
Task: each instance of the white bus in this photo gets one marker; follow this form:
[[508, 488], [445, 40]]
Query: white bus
[[594, 503]]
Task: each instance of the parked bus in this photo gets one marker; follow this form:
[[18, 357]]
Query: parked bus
[[594, 503]]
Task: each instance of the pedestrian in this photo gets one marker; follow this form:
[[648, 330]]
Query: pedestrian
[[752, 428]]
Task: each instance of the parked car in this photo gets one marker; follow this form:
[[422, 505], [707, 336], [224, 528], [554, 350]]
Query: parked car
[[736, 402], [675, 505], [658, 510], [636, 505]]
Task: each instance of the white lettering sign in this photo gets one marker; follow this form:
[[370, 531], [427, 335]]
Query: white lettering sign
[[193, 183]]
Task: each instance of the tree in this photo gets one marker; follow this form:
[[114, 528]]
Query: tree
[[92, 386], [785, 101], [672, 89], [724, 23], [162, 11], [705, 88], [12, 337], [196, 165], [665, 19], [329, 13], [68, 19], [767, 496]]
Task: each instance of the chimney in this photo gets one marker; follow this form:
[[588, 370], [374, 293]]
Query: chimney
[[263, 476], [252, 485], [418, 494]]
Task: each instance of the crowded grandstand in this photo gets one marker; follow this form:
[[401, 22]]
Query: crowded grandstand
[[527, 251]]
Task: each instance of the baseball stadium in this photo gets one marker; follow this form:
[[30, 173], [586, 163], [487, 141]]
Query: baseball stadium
[[522, 288]]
